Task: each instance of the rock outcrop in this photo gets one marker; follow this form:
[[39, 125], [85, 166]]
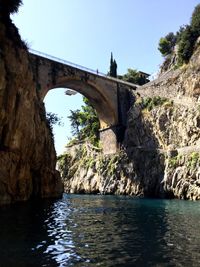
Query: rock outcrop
[[161, 148], [27, 154], [87, 171], [173, 131]]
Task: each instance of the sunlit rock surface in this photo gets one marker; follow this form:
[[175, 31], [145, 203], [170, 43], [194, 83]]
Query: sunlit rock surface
[[27, 154]]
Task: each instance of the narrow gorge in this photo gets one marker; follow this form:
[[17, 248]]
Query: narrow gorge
[[159, 155]]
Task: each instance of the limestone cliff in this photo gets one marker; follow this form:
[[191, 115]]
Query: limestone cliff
[[86, 171], [161, 148], [27, 154]]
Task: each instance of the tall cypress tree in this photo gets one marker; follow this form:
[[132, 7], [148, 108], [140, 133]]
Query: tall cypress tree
[[113, 67], [111, 64]]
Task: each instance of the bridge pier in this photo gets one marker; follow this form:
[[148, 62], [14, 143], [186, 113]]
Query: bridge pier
[[111, 138]]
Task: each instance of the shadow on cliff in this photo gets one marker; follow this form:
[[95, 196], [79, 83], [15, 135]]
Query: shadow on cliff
[[145, 159]]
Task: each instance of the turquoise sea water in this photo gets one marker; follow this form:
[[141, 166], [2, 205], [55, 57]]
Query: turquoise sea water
[[95, 230]]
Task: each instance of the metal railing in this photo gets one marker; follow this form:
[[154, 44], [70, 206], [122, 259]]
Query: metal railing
[[96, 72], [35, 52]]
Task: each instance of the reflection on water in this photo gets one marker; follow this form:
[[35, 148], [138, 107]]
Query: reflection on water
[[82, 230]]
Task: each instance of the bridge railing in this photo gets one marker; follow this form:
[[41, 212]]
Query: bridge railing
[[96, 72], [35, 52]]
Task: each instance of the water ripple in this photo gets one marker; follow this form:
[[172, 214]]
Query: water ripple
[[107, 231]]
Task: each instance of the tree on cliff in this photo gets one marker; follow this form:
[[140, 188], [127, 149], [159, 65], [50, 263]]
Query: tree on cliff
[[53, 119], [85, 123], [188, 36], [186, 45], [185, 38], [75, 123], [167, 44], [134, 76], [8, 7], [195, 21]]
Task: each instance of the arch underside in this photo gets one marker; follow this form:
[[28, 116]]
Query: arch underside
[[106, 112]]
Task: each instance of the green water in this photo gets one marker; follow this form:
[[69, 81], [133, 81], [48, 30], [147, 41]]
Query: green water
[[88, 230]]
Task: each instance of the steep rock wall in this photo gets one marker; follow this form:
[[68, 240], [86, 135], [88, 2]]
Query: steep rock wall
[[86, 171], [173, 130], [160, 158], [27, 154]]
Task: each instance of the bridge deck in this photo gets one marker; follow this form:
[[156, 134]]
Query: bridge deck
[[79, 67]]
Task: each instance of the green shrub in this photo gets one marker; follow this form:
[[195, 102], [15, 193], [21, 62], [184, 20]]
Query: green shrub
[[112, 164], [134, 76], [195, 21], [85, 123], [193, 160], [185, 38], [63, 163], [149, 103], [174, 161], [167, 43], [186, 45]]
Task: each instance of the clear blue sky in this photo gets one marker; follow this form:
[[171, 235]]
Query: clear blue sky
[[86, 31]]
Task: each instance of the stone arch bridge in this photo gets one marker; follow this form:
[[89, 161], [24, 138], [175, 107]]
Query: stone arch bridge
[[110, 97]]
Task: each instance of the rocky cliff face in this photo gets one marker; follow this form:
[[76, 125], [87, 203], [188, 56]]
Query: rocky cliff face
[[86, 171], [27, 154], [171, 130], [161, 149], [161, 158]]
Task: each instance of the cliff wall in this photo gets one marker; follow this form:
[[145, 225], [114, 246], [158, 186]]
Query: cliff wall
[[27, 154]]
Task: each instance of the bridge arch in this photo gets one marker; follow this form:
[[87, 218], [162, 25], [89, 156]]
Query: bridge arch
[[105, 111], [110, 97]]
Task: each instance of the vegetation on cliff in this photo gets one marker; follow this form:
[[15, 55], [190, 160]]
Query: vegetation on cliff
[[184, 39], [87, 171], [53, 119], [134, 76], [151, 102], [85, 124]]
